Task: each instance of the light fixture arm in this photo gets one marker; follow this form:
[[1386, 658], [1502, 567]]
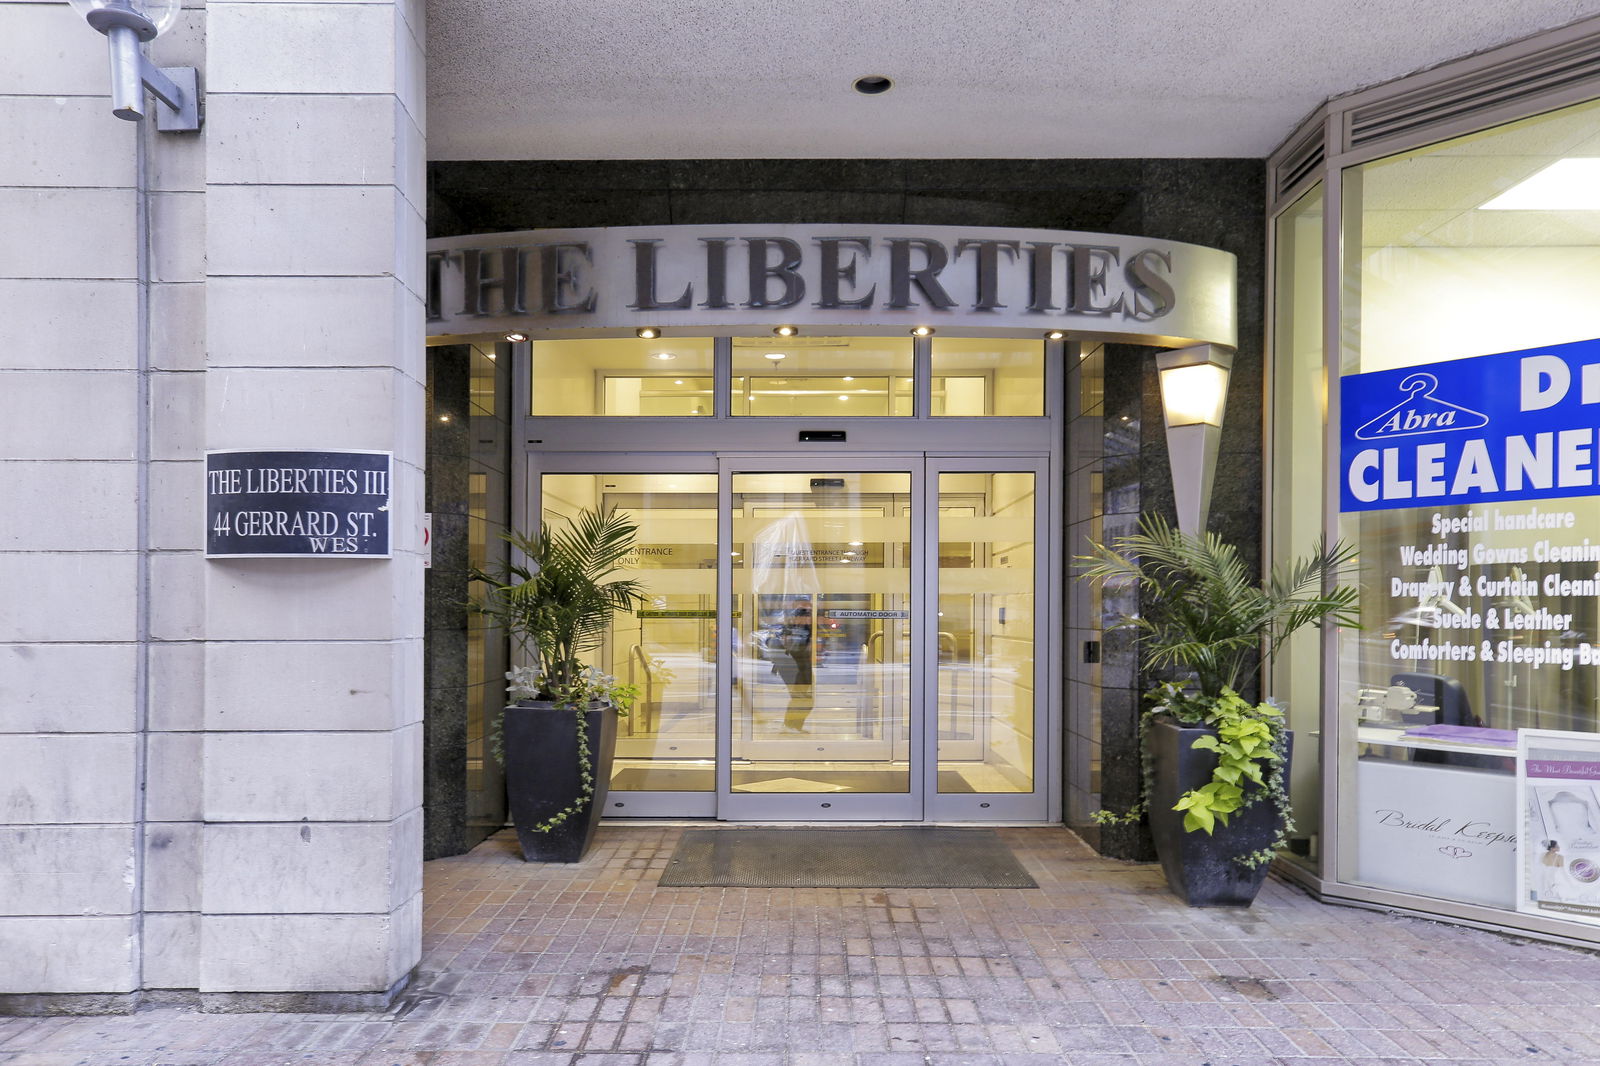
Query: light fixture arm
[[132, 74]]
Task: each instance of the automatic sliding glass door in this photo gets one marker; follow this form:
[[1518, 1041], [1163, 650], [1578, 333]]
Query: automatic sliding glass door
[[822, 571], [826, 644]]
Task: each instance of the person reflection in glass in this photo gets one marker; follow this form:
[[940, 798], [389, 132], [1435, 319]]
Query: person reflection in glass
[[794, 638]]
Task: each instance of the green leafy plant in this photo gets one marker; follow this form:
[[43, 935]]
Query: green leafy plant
[[1203, 619], [557, 604], [1244, 738]]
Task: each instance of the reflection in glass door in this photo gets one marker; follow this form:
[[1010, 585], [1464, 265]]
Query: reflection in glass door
[[822, 607]]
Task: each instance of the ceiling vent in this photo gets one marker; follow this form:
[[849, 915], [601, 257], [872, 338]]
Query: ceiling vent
[[1514, 83]]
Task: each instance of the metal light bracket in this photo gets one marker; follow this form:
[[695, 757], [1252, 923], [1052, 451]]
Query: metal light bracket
[[177, 88]]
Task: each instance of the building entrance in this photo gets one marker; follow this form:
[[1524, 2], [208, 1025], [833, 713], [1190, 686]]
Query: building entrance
[[855, 639]]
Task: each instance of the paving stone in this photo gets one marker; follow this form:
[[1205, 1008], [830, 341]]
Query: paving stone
[[592, 965]]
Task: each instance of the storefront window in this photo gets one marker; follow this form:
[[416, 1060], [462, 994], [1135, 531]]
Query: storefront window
[[1468, 482], [973, 377], [810, 377], [623, 376], [1299, 406]]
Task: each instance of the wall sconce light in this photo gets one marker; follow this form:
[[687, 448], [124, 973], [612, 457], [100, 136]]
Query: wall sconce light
[[128, 24], [1194, 390]]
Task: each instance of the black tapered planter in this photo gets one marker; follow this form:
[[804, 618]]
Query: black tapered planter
[[1200, 867], [541, 749]]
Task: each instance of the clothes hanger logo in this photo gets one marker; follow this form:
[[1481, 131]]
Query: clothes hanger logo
[[1421, 412]]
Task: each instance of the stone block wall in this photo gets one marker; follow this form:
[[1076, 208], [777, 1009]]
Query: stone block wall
[[209, 770]]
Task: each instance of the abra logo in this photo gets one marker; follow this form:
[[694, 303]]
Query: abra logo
[[1421, 412]]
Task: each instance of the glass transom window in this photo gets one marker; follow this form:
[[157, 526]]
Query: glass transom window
[[822, 377], [623, 376]]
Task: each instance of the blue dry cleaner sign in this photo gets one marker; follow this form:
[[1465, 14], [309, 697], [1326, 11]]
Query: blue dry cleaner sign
[[1513, 426], [276, 504]]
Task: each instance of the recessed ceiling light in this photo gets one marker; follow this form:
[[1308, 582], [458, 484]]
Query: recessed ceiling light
[[665, 357], [777, 357], [873, 85], [678, 381], [516, 338], [647, 333], [848, 378], [786, 331], [1565, 185], [844, 397], [1055, 335], [922, 331]]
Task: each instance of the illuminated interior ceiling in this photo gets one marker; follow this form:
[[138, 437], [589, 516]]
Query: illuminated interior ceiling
[[1435, 197], [730, 79]]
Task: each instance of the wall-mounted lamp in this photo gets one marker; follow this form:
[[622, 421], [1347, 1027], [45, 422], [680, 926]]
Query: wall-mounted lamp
[[1194, 389], [128, 24]]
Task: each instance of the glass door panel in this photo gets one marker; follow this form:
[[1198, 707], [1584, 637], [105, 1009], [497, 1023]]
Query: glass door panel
[[986, 624], [666, 648], [988, 685], [822, 611]]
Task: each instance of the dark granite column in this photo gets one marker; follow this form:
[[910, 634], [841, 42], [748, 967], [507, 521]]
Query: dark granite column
[[444, 724]]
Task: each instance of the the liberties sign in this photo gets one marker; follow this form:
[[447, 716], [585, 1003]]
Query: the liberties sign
[[734, 279]]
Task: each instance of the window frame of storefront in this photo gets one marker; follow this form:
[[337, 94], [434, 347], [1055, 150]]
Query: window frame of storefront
[[1527, 78]]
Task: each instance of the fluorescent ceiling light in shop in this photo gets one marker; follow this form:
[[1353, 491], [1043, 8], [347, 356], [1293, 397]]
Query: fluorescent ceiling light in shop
[[1565, 185]]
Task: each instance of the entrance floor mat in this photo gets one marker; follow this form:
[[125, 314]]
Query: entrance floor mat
[[895, 857]]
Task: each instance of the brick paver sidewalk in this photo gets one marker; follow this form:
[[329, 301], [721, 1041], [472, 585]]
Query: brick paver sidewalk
[[592, 965]]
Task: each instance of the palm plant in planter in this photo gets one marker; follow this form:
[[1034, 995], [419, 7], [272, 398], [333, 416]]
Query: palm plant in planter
[[1215, 765], [557, 739]]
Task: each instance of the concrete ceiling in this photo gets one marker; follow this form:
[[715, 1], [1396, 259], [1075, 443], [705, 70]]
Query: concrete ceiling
[[687, 79]]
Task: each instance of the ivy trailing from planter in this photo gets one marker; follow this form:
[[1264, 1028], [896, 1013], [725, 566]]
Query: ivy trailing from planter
[[1251, 744], [523, 683]]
